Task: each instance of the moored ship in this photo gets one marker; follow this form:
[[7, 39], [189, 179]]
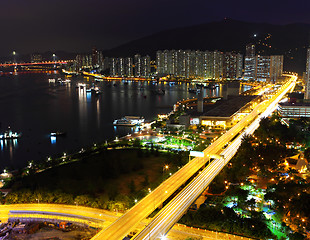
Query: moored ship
[[9, 134], [129, 121]]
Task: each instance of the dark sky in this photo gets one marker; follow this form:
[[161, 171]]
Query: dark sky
[[76, 25]]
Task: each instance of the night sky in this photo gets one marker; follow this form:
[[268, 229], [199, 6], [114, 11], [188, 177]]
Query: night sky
[[75, 25]]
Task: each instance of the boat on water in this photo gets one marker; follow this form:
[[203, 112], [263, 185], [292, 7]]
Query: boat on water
[[52, 80], [123, 122], [9, 134], [129, 121], [194, 90], [81, 85], [58, 133], [94, 90], [61, 81]]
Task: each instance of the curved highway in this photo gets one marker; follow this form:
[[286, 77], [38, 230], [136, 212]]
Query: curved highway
[[120, 228], [174, 210]]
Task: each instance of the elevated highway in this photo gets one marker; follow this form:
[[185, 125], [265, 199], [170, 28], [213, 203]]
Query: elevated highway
[[120, 228], [174, 210]]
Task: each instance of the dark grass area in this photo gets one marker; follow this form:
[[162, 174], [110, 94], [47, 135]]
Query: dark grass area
[[91, 174]]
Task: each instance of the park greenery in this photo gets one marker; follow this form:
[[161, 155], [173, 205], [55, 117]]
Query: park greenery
[[258, 194], [109, 177]]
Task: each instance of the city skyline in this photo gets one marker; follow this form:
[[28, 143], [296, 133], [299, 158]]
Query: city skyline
[[37, 26]]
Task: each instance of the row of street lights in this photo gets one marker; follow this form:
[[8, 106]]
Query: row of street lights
[[14, 53]]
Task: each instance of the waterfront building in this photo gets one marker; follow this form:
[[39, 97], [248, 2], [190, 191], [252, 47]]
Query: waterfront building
[[95, 57], [138, 65], [249, 62], [146, 66], [121, 67], [224, 113], [113, 67], [129, 67], [165, 62], [83, 61], [94, 60], [180, 64], [217, 65], [197, 64], [307, 76], [232, 65]]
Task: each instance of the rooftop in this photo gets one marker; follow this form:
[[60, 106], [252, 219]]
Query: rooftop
[[224, 108]]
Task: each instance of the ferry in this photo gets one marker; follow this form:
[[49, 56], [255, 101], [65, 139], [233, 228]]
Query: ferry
[[129, 121], [123, 122], [64, 81], [9, 134]]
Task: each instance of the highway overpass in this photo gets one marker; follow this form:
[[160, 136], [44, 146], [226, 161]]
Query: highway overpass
[[120, 228]]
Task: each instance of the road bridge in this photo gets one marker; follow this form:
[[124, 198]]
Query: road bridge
[[35, 63], [175, 209], [120, 228]]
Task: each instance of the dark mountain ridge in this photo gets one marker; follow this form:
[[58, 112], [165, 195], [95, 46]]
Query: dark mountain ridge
[[290, 40]]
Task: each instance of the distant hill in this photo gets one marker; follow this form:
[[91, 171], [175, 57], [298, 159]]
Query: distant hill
[[227, 35]]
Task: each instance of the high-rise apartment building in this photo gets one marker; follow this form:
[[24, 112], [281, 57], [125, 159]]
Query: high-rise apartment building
[[263, 68], [95, 57], [129, 67], [307, 80], [249, 62], [114, 67], [121, 67], [276, 67], [83, 61], [232, 65], [196, 64], [165, 62], [138, 65], [145, 66]]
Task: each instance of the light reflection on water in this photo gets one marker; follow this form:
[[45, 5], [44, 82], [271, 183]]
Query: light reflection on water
[[36, 108]]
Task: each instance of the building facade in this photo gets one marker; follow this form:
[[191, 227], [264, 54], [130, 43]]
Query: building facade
[[289, 110], [262, 68], [199, 64], [307, 76], [250, 63], [276, 67]]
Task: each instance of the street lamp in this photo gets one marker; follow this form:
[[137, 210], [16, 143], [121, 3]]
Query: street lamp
[[54, 59], [14, 57], [165, 168]]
